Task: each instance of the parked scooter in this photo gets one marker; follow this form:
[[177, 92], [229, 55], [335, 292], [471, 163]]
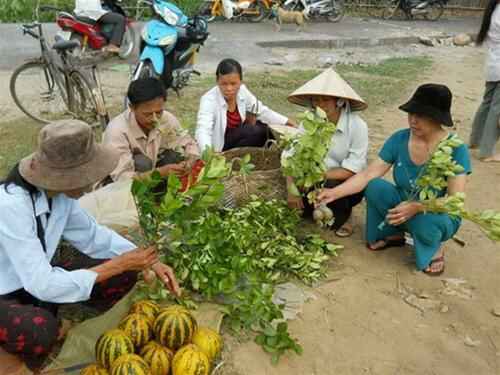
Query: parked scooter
[[251, 10], [93, 35], [429, 9], [169, 45], [332, 10]]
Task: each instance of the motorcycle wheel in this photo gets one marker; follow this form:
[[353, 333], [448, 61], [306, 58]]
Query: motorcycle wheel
[[206, 11], [436, 9], [261, 12], [296, 5], [390, 9], [338, 11], [128, 42]]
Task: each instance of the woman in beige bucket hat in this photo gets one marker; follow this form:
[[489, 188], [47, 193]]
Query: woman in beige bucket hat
[[349, 144], [39, 207]]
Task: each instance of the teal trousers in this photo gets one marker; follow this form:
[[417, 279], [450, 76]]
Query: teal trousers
[[428, 230]]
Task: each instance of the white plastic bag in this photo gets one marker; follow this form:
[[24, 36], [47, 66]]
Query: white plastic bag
[[112, 206]]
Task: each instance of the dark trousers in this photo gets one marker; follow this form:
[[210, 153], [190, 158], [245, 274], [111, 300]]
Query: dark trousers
[[29, 327], [118, 23], [341, 208], [247, 136]]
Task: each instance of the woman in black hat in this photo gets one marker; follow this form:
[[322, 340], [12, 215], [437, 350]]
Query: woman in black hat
[[486, 126], [407, 151]]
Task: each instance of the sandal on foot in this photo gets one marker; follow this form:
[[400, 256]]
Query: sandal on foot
[[396, 242], [344, 231], [430, 272]]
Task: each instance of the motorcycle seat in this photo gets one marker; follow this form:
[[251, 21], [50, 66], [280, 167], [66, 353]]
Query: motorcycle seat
[[63, 45], [86, 20]]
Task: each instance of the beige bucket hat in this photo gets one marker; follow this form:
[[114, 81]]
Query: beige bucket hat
[[68, 158], [328, 83]]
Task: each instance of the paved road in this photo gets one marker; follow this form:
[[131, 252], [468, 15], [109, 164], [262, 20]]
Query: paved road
[[245, 40]]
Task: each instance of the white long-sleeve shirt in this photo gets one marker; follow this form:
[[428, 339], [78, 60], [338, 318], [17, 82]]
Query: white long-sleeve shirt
[[349, 144], [493, 46], [90, 8], [23, 262], [212, 116]]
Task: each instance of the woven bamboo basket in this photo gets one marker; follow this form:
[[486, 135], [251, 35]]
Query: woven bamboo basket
[[265, 181]]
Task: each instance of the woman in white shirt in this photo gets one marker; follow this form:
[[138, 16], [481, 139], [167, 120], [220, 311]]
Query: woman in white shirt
[[231, 116], [486, 125], [93, 9], [39, 207], [349, 145]]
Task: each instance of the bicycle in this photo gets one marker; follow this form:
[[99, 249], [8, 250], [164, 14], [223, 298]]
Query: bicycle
[[56, 85]]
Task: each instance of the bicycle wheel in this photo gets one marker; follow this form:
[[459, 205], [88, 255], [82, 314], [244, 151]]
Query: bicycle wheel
[[338, 11], [37, 94], [435, 10], [390, 9], [84, 103], [128, 42]]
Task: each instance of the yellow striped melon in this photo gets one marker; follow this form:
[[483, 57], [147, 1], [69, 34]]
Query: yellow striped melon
[[174, 327], [158, 357], [189, 360], [208, 341], [130, 364], [138, 328], [146, 307], [94, 370], [111, 345]]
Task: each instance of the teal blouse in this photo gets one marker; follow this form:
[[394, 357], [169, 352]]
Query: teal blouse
[[405, 171]]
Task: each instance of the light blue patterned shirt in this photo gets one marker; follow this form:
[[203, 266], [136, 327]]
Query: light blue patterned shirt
[[24, 264]]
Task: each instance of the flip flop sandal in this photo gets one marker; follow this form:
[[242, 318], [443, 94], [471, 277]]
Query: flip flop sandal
[[435, 273], [399, 242], [343, 232]]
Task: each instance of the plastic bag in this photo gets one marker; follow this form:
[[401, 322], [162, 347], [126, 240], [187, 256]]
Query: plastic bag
[[112, 206]]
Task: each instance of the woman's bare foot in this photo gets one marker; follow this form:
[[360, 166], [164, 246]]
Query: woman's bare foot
[[491, 159], [436, 267], [345, 230]]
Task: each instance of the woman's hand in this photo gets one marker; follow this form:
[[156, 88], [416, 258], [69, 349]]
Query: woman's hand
[[295, 202], [325, 196], [139, 259], [167, 276], [403, 212]]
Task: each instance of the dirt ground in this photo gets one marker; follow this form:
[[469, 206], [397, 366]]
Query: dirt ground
[[376, 314]]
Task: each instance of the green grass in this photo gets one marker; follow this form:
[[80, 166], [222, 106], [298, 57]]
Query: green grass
[[380, 85]]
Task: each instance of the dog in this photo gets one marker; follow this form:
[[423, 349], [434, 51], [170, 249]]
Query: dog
[[288, 16]]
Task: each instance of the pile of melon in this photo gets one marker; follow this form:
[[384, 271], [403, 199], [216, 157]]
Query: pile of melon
[[156, 341]]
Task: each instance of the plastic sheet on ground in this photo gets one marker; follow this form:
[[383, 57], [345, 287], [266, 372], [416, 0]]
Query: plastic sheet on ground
[[293, 297], [79, 345]]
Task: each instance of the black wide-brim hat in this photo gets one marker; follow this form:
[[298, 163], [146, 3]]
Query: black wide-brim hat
[[431, 100]]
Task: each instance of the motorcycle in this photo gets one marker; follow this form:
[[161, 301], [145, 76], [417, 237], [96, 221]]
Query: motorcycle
[[169, 45], [429, 9], [251, 10], [332, 10], [90, 34]]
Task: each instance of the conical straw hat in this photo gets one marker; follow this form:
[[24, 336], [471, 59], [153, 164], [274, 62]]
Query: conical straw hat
[[328, 83]]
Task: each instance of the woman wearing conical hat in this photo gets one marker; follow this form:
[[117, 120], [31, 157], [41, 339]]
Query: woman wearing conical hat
[[393, 208], [349, 144]]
